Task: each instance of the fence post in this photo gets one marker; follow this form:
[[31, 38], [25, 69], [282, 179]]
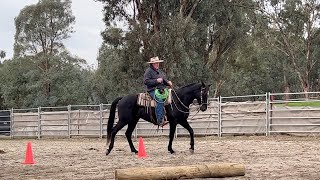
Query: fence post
[[219, 116], [69, 121], [11, 123], [39, 122], [101, 119], [271, 99], [136, 130], [176, 133], [267, 113]]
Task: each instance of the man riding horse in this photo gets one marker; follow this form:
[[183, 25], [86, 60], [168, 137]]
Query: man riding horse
[[177, 112], [156, 83]]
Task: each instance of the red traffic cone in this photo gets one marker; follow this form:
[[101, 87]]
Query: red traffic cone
[[142, 151], [29, 155]]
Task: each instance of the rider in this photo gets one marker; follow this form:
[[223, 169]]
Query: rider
[[155, 82]]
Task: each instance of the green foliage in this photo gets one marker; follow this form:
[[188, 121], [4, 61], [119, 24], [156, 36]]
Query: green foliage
[[293, 31], [241, 47], [2, 54], [14, 82], [301, 104], [42, 27], [42, 72], [22, 82], [195, 40], [71, 83]]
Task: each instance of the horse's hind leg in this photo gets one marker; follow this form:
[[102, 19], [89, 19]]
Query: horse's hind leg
[[186, 125], [130, 129], [114, 131]]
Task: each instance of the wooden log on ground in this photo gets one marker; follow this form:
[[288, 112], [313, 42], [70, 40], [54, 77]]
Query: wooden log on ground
[[182, 172]]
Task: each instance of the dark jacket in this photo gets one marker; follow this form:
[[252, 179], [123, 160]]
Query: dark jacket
[[150, 79]]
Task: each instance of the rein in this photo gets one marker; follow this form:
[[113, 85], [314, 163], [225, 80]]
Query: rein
[[180, 103], [200, 104]]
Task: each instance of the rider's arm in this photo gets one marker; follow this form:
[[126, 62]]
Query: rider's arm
[[166, 81]]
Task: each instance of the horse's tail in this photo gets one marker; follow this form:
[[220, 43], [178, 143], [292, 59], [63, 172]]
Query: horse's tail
[[111, 117]]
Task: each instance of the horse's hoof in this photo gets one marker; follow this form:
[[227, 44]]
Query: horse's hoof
[[107, 152], [191, 150], [136, 152], [172, 152]]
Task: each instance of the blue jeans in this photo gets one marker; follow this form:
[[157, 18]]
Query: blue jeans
[[159, 107]]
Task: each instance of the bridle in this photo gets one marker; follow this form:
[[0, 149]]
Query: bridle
[[201, 97], [200, 104]]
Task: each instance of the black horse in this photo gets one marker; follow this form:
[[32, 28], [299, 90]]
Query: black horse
[[177, 112]]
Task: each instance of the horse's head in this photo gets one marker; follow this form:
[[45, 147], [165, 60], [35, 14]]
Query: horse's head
[[202, 96]]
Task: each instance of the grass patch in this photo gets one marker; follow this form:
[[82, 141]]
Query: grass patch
[[301, 104]]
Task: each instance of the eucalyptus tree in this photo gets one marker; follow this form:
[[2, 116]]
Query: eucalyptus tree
[[21, 83], [2, 55], [144, 33], [223, 28], [195, 38], [40, 30], [14, 82], [294, 31]]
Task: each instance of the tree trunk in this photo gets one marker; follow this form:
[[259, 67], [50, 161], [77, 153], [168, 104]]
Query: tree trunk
[[306, 87], [219, 84], [183, 7], [155, 15]]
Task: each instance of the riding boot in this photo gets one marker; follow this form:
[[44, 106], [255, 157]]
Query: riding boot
[[163, 123]]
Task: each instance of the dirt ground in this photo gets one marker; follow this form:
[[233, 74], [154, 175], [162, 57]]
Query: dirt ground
[[275, 157]]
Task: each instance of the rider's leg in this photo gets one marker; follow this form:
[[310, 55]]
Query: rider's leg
[[159, 110], [159, 107]]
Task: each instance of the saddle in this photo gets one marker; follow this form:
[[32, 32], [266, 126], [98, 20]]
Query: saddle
[[145, 100]]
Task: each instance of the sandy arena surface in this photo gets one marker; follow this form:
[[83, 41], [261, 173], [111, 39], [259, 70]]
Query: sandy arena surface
[[275, 157]]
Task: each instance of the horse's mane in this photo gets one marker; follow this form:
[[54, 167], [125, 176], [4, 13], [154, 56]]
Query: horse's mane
[[187, 86]]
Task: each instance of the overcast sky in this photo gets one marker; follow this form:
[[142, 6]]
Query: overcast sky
[[84, 42]]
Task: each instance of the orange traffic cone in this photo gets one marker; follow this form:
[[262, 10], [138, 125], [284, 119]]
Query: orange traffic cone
[[29, 155], [142, 151]]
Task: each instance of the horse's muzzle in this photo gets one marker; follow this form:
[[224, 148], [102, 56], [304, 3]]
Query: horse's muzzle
[[203, 107]]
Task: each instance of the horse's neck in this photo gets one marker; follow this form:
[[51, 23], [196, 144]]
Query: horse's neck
[[186, 97]]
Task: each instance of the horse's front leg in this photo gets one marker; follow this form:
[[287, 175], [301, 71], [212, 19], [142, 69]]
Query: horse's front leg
[[173, 126], [186, 125]]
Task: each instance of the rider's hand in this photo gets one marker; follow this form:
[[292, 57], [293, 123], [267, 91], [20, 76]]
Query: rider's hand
[[170, 83], [159, 80]]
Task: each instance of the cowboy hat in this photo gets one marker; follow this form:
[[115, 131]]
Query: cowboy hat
[[155, 60]]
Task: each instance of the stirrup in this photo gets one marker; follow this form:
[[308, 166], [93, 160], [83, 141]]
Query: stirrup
[[163, 123]]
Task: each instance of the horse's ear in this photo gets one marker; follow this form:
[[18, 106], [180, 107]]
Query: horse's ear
[[202, 84]]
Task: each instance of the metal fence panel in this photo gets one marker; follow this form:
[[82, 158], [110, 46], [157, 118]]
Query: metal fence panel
[[270, 113], [294, 113], [25, 122], [5, 122], [203, 123], [243, 114], [85, 120], [53, 121]]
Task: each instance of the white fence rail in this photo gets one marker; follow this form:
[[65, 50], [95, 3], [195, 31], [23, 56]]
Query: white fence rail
[[265, 114]]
